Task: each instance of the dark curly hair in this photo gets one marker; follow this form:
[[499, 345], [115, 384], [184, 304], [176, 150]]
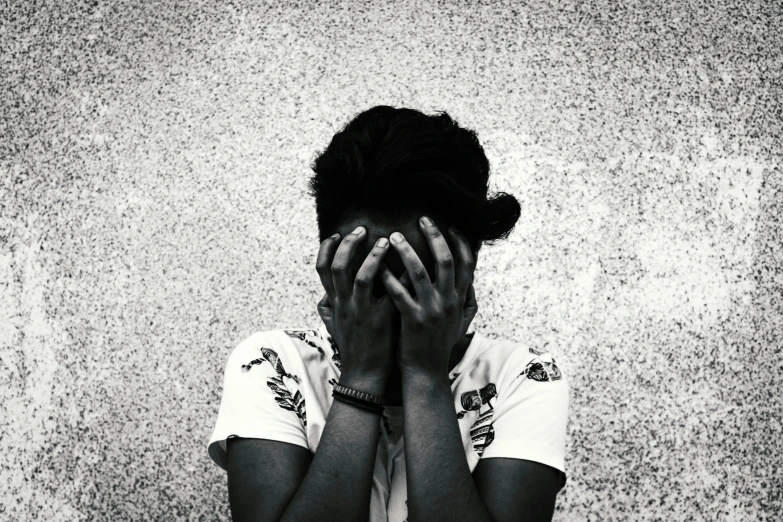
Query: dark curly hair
[[388, 159]]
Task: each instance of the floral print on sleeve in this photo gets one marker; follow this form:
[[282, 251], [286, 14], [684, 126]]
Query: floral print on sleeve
[[302, 336], [335, 352], [284, 399]]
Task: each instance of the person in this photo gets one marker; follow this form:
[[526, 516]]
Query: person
[[390, 409]]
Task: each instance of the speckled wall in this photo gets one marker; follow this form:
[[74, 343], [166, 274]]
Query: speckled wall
[[153, 214]]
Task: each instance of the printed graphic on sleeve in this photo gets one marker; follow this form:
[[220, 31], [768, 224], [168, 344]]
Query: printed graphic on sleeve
[[481, 432], [272, 358], [336, 351], [302, 336], [542, 371], [284, 399]]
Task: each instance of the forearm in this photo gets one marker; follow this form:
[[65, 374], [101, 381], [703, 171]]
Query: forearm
[[440, 484], [338, 483]]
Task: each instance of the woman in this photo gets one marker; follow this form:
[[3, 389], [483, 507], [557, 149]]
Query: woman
[[390, 410]]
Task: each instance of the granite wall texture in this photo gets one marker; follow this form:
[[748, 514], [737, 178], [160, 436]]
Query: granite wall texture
[[153, 214]]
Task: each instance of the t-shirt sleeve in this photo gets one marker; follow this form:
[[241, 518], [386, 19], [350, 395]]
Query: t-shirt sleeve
[[261, 398], [530, 418]]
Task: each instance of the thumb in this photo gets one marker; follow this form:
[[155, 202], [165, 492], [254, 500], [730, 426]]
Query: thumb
[[470, 309], [324, 305], [324, 308]]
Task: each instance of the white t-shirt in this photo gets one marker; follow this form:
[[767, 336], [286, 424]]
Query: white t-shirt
[[510, 401]]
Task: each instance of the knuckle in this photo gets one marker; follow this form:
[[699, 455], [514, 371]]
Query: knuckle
[[397, 292], [447, 262], [418, 322], [362, 281], [338, 268], [420, 274]]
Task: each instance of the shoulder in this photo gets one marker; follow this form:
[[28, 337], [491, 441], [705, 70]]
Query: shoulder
[[514, 358], [267, 345], [294, 345], [271, 354], [254, 342]]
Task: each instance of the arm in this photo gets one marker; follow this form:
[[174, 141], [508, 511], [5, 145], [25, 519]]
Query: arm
[[517, 489], [338, 482], [440, 485]]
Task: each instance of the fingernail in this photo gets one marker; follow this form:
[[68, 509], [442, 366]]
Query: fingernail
[[382, 242], [358, 230], [426, 221], [335, 236], [396, 237]]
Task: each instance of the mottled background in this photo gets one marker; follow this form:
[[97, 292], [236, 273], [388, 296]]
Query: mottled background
[[153, 214]]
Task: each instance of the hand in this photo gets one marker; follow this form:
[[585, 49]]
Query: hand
[[359, 323], [440, 315]]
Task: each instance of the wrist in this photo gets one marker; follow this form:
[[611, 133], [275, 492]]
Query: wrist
[[419, 369], [420, 374], [367, 382]]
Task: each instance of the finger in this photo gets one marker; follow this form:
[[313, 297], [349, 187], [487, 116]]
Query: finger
[[398, 293], [324, 262], [365, 277], [470, 309], [324, 309], [324, 306], [341, 265], [324, 302], [404, 279], [471, 306], [385, 302], [465, 262], [406, 282], [415, 268], [444, 261]]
